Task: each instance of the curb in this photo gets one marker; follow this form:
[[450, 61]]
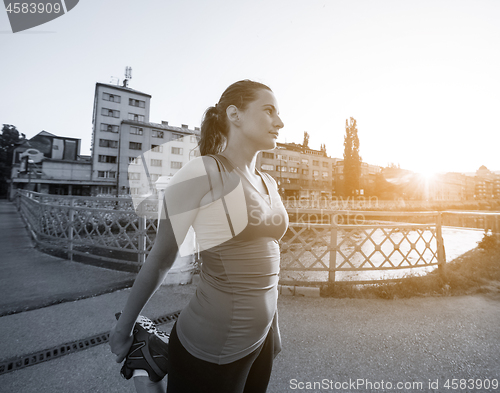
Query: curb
[[293, 290]]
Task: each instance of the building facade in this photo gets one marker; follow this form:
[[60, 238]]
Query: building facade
[[51, 164], [112, 105], [302, 172], [123, 135], [148, 151]]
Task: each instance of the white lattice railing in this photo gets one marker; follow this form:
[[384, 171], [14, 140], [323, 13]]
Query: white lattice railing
[[320, 246], [104, 228], [361, 251]]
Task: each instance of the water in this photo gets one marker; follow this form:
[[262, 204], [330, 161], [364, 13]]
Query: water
[[457, 241]]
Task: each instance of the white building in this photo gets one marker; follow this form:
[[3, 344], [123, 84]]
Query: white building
[[112, 105]]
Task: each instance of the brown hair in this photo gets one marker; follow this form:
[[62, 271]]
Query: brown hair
[[214, 126]]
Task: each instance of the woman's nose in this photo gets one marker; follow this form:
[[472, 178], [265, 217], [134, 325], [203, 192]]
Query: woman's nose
[[279, 123]]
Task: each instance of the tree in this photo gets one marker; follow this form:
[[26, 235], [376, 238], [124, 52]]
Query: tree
[[352, 160], [306, 140], [9, 139]]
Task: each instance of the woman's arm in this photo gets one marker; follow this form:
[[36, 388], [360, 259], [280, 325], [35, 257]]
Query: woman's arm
[[150, 277]]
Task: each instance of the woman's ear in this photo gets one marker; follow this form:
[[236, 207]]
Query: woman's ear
[[233, 113]]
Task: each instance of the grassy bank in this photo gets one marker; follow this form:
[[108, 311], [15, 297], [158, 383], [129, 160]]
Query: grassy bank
[[477, 271]]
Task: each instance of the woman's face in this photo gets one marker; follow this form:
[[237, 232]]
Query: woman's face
[[259, 123]]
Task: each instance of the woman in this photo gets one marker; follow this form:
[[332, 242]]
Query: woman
[[226, 338]]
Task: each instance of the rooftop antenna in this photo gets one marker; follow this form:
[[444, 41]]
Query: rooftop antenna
[[128, 76], [113, 78]]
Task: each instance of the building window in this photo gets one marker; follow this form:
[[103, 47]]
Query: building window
[[135, 145], [134, 191], [305, 161], [193, 139], [133, 160], [108, 159], [106, 174], [324, 174], [176, 136], [157, 134], [315, 173], [267, 155], [294, 170], [281, 168], [305, 171], [315, 162], [154, 177], [137, 103], [133, 176], [325, 164], [108, 143], [176, 150], [136, 130], [267, 167], [280, 156], [155, 162], [109, 128], [135, 117], [176, 165], [111, 97], [157, 148], [110, 112]]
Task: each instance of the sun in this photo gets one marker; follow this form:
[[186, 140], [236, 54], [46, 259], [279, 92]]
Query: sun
[[428, 174]]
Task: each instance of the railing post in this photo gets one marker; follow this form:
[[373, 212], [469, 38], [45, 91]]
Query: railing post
[[333, 248], [440, 246], [141, 256], [70, 228]]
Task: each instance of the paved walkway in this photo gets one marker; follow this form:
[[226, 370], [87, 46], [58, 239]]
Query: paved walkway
[[31, 279], [325, 340]]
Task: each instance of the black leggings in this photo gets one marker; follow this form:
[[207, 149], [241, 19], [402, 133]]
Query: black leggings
[[248, 375]]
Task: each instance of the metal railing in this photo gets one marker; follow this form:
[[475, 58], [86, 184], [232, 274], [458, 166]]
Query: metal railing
[[103, 228], [320, 246], [363, 243]]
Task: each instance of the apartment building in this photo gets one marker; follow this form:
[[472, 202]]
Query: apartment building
[[148, 151], [112, 105], [307, 173]]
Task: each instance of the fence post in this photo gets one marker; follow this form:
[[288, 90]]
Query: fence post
[[70, 228], [440, 246], [141, 256], [333, 249]]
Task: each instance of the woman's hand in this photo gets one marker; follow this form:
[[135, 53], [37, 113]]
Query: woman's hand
[[120, 343], [275, 330], [277, 341]]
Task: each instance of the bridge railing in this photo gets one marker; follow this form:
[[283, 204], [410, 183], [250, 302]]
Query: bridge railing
[[359, 246], [320, 246], [103, 228]]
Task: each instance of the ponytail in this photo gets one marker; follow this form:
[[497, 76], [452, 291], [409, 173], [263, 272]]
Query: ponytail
[[214, 126], [212, 138]]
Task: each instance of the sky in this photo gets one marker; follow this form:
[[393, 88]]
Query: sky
[[421, 78]]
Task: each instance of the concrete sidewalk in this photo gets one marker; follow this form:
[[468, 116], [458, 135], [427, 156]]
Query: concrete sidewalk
[[353, 342], [340, 340], [31, 279]]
